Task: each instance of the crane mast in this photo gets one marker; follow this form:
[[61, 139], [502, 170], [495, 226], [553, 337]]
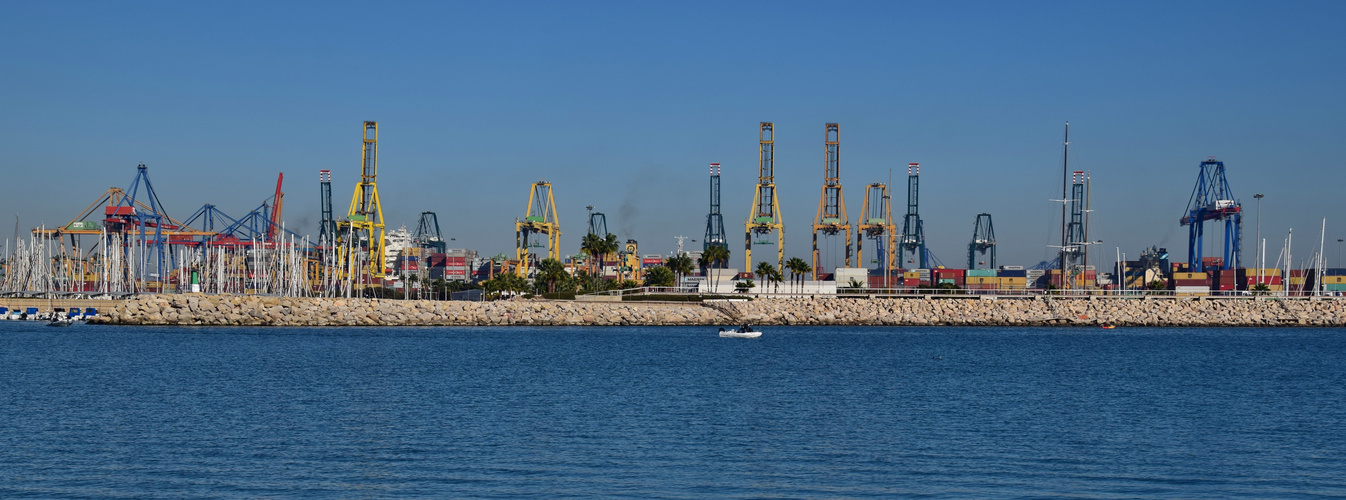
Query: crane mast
[[983, 240], [327, 230], [913, 230], [832, 218], [540, 218], [362, 229], [1212, 200], [765, 216], [876, 223], [714, 221]]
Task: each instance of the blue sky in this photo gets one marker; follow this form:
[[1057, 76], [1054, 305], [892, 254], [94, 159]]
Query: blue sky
[[622, 106]]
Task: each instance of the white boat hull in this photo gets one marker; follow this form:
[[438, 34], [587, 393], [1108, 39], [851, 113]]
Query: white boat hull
[[740, 335]]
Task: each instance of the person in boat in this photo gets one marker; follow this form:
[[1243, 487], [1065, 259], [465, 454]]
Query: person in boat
[[744, 329]]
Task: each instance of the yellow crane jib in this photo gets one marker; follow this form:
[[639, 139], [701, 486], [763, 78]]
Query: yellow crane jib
[[765, 216], [539, 219], [832, 218], [362, 230], [876, 223]]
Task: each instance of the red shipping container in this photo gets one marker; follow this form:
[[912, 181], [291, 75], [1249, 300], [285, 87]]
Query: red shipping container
[[911, 282], [1265, 280], [648, 262], [120, 211]]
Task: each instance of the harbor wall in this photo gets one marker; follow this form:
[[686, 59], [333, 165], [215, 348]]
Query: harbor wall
[[224, 310]]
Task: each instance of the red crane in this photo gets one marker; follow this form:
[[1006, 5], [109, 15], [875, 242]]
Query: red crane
[[274, 230]]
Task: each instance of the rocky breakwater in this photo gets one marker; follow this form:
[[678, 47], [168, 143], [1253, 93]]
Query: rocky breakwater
[[230, 310], [242, 310], [1040, 311]]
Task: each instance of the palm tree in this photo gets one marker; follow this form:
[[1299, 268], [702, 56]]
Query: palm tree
[[766, 272], [680, 265], [712, 258], [593, 246], [799, 268], [551, 271]]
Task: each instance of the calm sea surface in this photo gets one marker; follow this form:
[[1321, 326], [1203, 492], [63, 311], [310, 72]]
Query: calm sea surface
[[674, 412]]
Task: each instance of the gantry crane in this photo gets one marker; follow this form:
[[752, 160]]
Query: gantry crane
[[714, 221], [277, 204], [427, 234], [765, 216], [1076, 236], [876, 223], [362, 229], [327, 230], [983, 239], [913, 229], [1213, 200], [540, 218], [832, 218]]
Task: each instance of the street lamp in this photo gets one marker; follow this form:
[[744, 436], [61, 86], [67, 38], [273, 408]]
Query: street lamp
[[1258, 244], [1339, 240]]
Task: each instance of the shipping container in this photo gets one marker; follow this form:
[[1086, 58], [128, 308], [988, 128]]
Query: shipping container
[[1012, 273], [1334, 272], [981, 273], [1334, 280], [1190, 276], [120, 211], [980, 280], [911, 275]]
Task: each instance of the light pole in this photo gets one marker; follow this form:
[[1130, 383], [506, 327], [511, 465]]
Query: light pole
[[1258, 243], [1339, 240]]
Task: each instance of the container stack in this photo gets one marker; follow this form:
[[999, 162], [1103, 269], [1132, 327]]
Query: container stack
[[1301, 282], [1334, 281], [1248, 279], [911, 278], [879, 278], [954, 277], [1012, 279], [1085, 279], [1035, 277], [1190, 284], [1224, 280], [981, 279]]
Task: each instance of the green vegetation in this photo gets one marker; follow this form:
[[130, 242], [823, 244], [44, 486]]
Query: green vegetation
[[659, 276]]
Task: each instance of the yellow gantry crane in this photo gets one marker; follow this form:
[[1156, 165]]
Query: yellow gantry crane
[[876, 223], [831, 218], [765, 216], [540, 218], [362, 230]]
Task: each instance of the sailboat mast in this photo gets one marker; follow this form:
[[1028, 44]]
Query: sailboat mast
[[1065, 199]]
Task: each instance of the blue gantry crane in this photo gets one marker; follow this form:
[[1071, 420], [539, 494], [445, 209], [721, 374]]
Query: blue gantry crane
[[427, 234], [1212, 200], [913, 230], [983, 239], [714, 221]]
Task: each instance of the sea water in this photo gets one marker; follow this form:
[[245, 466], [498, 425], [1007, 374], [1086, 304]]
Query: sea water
[[670, 412]]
